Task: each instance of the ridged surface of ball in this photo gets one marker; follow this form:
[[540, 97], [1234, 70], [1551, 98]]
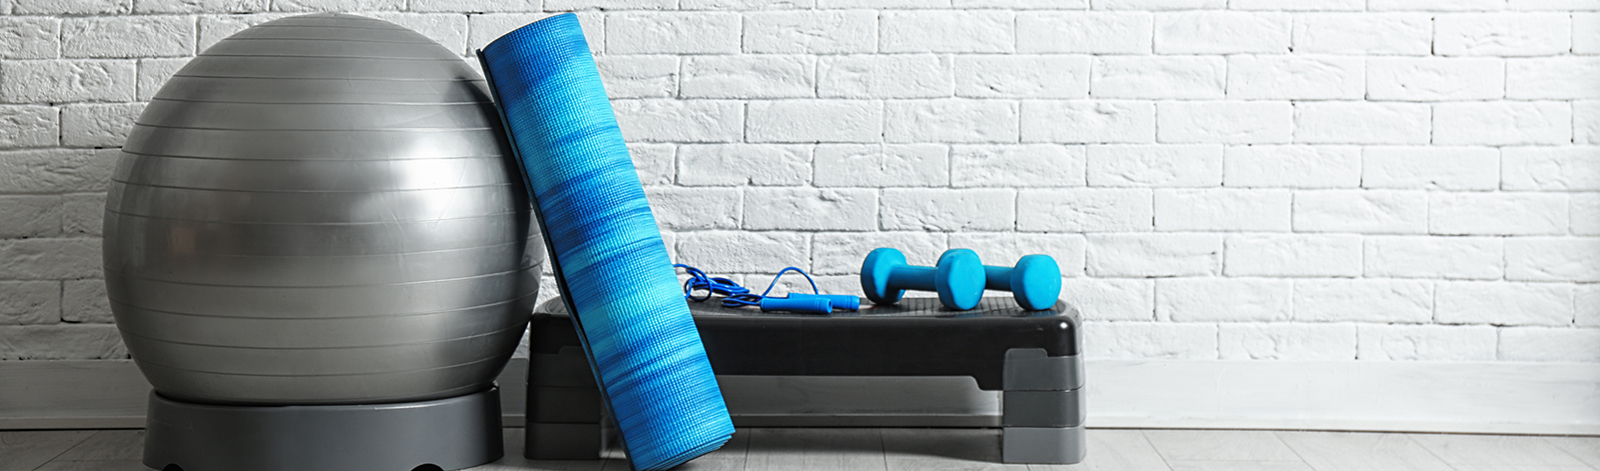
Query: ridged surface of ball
[[319, 210]]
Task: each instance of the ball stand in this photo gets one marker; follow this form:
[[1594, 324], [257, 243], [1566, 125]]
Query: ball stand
[[451, 433]]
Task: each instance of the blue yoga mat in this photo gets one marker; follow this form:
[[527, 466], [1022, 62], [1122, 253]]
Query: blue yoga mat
[[610, 262]]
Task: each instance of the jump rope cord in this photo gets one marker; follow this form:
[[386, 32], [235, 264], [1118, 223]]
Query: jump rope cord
[[733, 294]]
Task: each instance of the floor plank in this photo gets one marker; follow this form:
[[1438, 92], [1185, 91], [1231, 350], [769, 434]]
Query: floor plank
[[1219, 445], [944, 449], [1344, 451], [1239, 466], [1114, 450], [780, 449], [1498, 452], [98, 465], [26, 450], [1586, 449], [514, 461], [107, 445]]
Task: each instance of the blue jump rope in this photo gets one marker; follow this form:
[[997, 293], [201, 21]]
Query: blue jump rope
[[609, 260], [736, 296]]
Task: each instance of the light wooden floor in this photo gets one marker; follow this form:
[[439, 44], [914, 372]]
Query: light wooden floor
[[955, 449]]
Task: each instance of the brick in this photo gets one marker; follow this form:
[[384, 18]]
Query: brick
[[1502, 34], [1330, 255], [1149, 340], [485, 28], [30, 302], [948, 210], [811, 32], [152, 73], [881, 165], [693, 209], [1023, 4], [1457, 258], [83, 214], [741, 251], [574, 5], [885, 76], [85, 301], [743, 164], [843, 254], [200, 6], [1550, 168], [49, 259], [1026, 165], [1425, 342], [1299, 5], [71, 7], [1158, 77], [1155, 165], [1099, 299], [1222, 210], [1501, 303], [30, 38], [337, 5], [1553, 5], [1362, 211], [1021, 76], [1336, 122], [1586, 122], [66, 81], [449, 30], [29, 126], [814, 121], [1435, 78], [1212, 299], [639, 76], [1586, 33], [1502, 123], [1157, 5], [1084, 32], [946, 31], [749, 76], [1497, 213], [1585, 214], [1554, 78], [1432, 167], [1364, 33], [1225, 122], [810, 209], [213, 29], [881, 4], [672, 33], [1088, 121], [55, 170], [98, 125], [1363, 300], [1435, 5], [1553, 259], [1303, 342], [125, 37], [1295, 77], [1004, 249], [29, 216], [680, 120], [1549, 344], [951, 120], [61, 342], [474, 6], [656, 163], [1084, 210], [1291, 166], [1586, 305], [1222, 32], [1154, 255]]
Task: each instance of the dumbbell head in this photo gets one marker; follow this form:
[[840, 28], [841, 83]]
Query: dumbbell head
[[1036, 282], [958, 278]]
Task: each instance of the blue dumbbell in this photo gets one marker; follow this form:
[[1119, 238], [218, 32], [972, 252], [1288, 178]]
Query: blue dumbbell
[[958, 278], [1035, 282]]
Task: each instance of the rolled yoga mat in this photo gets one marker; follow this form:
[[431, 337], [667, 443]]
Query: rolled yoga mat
[[609, 260]]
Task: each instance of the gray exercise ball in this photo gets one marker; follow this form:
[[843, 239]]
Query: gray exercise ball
[[320, 210]]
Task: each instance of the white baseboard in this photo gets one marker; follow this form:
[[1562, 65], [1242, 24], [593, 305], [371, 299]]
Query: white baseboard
[[1511, 398]]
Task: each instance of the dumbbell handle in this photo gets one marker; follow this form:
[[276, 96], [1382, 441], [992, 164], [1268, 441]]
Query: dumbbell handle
[[913, 277], [807, 305], [997, 278]]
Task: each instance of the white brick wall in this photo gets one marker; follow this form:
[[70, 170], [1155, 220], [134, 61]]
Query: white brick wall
[[1378, 180]]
